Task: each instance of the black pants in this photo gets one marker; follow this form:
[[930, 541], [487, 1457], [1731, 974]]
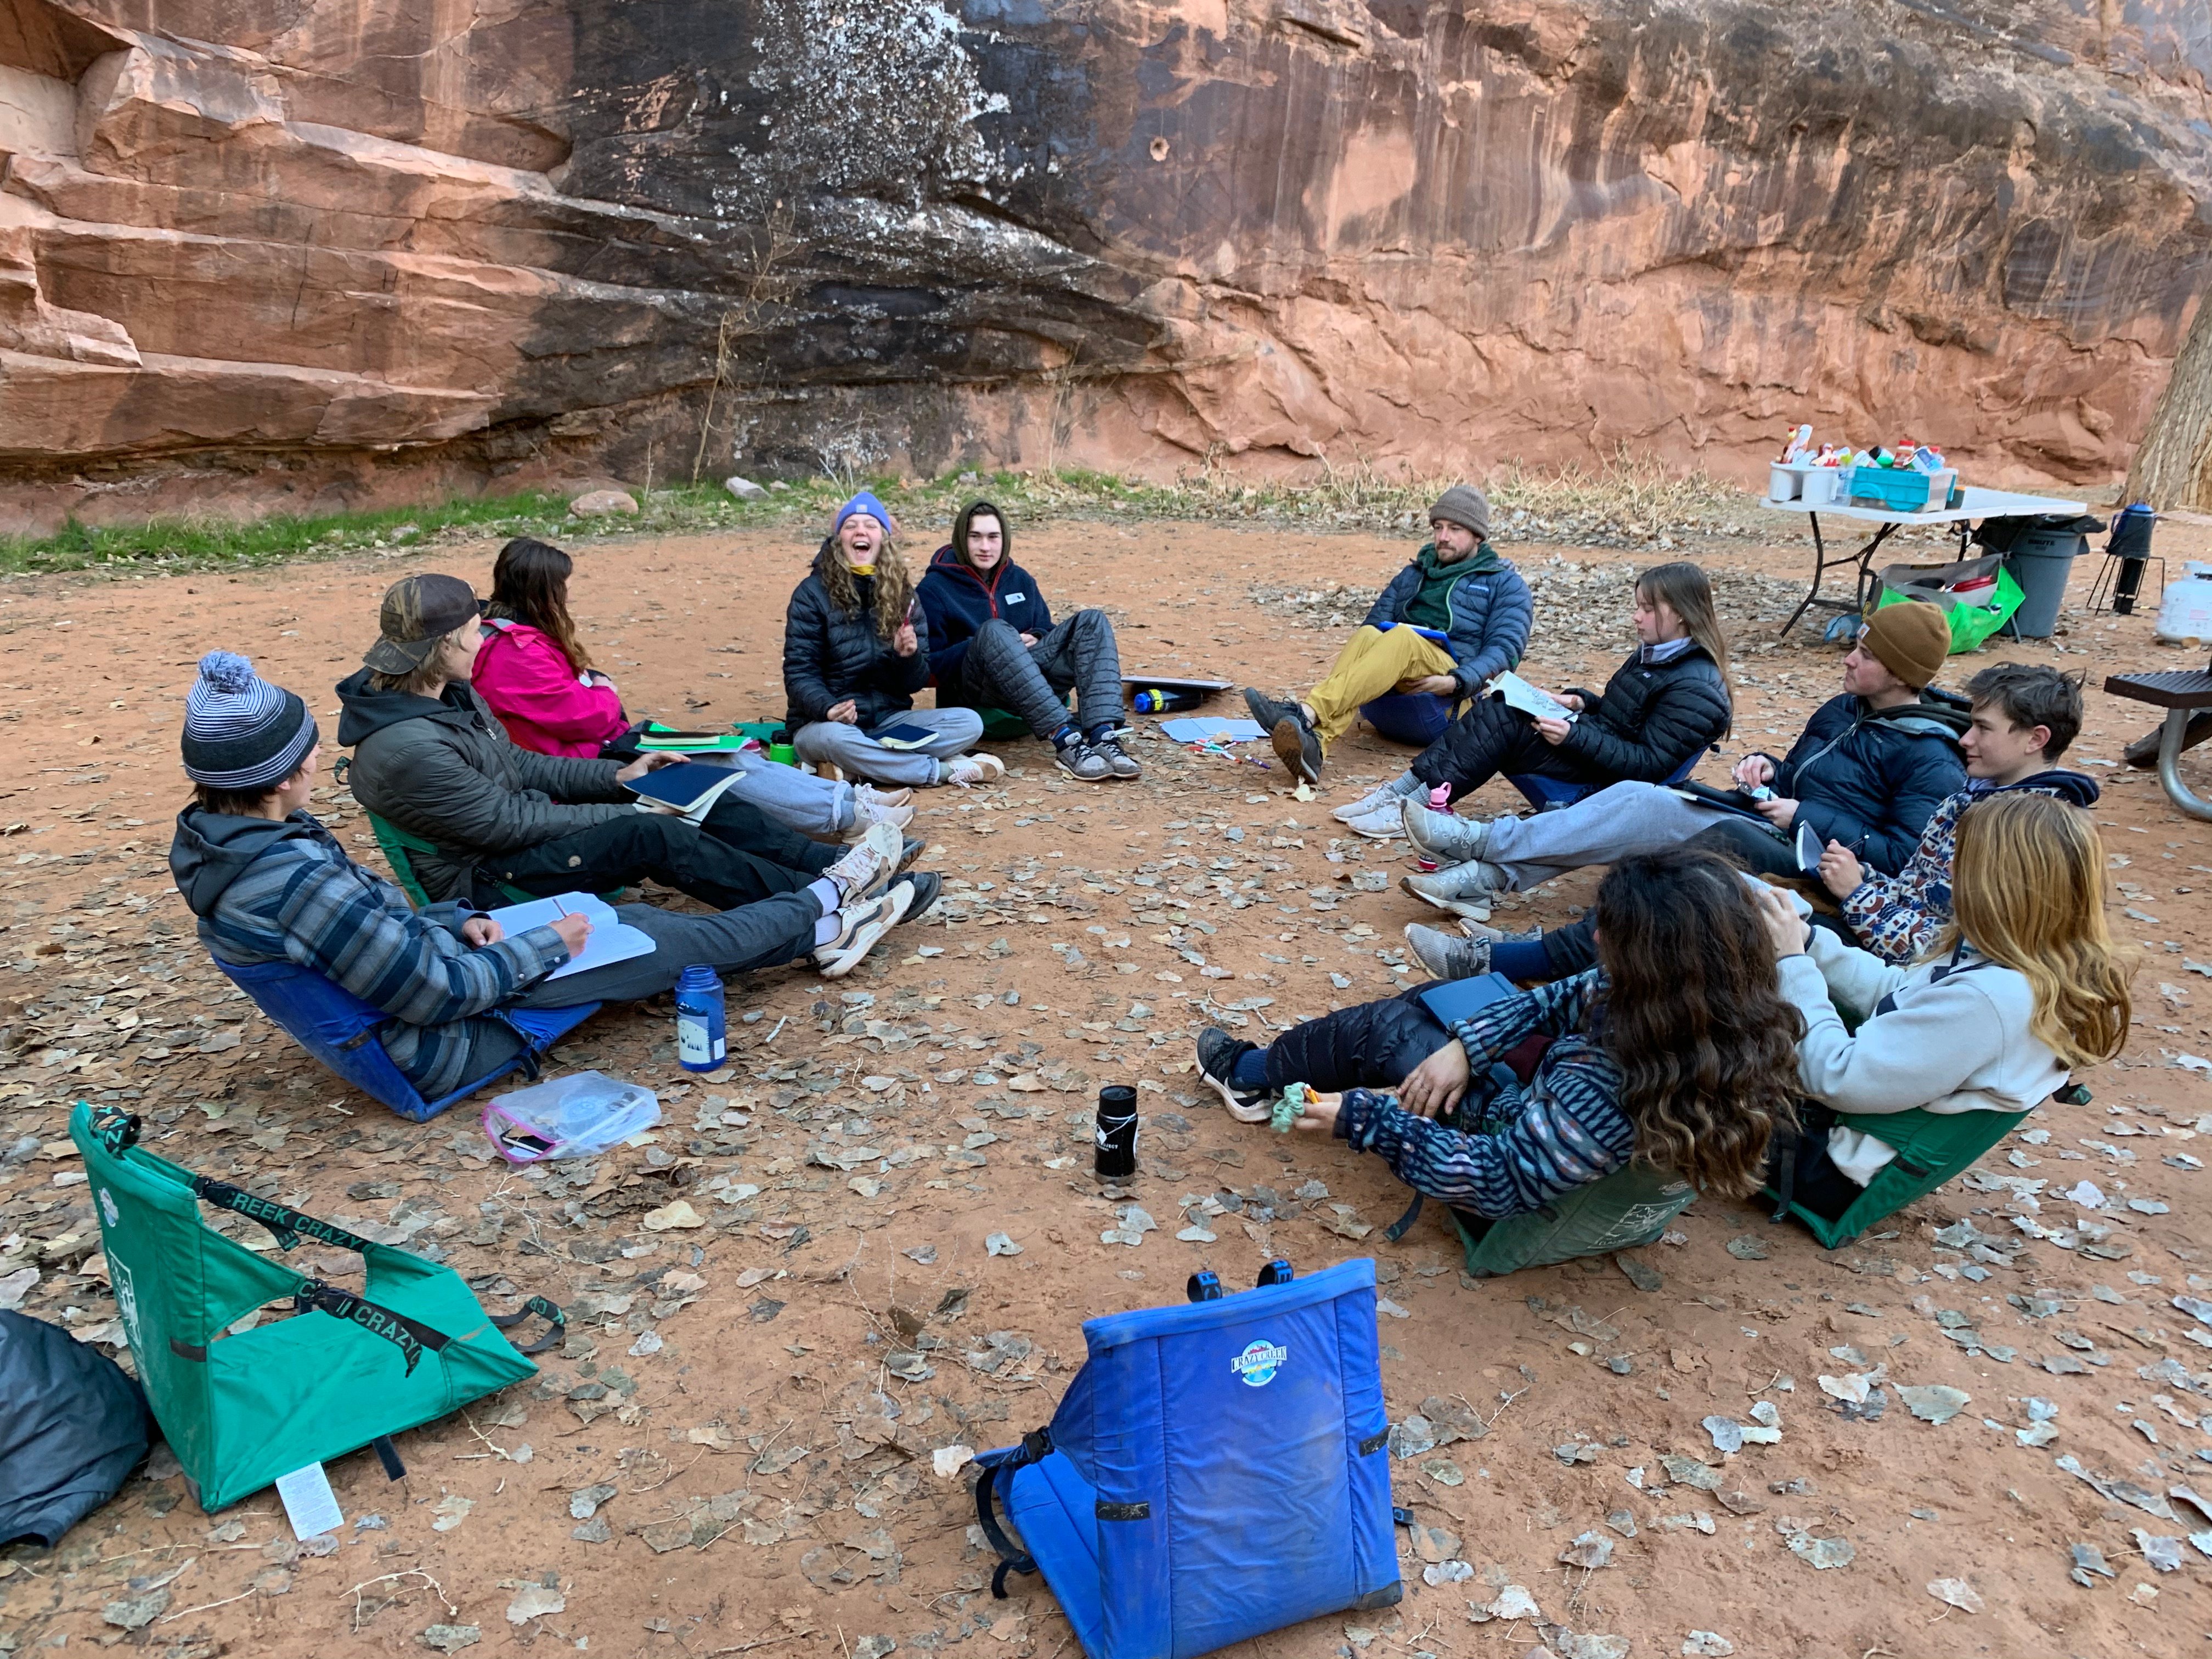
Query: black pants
[[737, 856], [1370, 1045], [1814, 1180], [1488, 740], [1077, 654], [1574, 947]]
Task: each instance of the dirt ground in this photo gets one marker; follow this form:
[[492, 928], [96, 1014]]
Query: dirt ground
[[734, 1451]]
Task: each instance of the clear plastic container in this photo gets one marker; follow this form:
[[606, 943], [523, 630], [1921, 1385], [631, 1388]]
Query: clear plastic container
[[580, 1116]]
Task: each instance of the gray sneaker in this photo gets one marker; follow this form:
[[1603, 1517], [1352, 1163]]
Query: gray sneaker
[[1383, 798], [1445, 837], [1120, 760], [1082, 763], [1464, 889], [1446, 956]]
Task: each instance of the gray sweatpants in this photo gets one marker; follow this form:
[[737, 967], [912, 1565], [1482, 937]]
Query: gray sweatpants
[[761, 935], [813, 807], [1079, 655], [1620, 819], [831, 743]]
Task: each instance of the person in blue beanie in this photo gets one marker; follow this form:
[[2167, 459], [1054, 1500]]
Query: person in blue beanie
[[853, 659]]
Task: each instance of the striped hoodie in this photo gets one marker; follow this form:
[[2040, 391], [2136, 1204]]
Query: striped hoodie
[[1522, 1147], [269, 890]]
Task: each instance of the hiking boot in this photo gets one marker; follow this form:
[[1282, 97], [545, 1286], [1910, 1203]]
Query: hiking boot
[[1297, 746], [860, 927], [1445, 837], [1446, 956], [1463, 889], [1217, 1053], [867, 869], [1375, 800], [972, 769], [1383, 824], [926, 885], [1119, 760], [1081, 761]]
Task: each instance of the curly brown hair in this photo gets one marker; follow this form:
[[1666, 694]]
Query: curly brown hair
[[1692, 1014], [894, 583], [530, 585]]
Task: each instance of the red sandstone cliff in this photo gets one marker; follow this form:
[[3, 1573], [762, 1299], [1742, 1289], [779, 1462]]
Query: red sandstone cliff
[[311, 239]]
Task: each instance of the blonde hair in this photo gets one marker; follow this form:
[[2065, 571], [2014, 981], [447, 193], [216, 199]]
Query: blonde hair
[[2028, 891], [1682, 587]]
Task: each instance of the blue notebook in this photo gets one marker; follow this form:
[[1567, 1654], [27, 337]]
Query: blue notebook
[[1452, 1000], [1425, 633]]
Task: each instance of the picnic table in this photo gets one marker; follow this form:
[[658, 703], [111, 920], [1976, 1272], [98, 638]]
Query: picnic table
[[2184, 694], [1974, 503]]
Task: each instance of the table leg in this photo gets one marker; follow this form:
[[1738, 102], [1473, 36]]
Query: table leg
[[1867, 582], [2172, 741], [1819, 569]]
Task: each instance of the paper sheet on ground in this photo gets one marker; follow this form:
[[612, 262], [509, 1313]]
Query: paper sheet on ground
[[1198, 727], [612, 939]]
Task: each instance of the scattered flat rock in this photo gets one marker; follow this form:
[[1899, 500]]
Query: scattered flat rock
[[1957, 1593], [1933, 1403]]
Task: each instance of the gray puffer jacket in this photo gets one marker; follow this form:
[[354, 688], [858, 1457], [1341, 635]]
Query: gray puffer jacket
[[447, 770]]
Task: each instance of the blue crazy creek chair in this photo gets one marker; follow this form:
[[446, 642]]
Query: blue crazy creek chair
[[1215, 1471], [1549, 794], [1416, 718], [339, 1028]]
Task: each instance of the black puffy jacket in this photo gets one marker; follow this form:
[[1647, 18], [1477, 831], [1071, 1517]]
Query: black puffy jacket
[[1871, 778], [1651, 718], [830, 654]]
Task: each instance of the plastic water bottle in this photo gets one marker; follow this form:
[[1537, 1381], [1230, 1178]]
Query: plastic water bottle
[[1154, 701], [701, 1034]]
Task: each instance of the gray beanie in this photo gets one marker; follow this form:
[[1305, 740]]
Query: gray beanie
[[241, 731], [1463, 504]]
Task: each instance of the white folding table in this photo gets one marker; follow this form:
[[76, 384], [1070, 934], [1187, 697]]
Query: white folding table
[[1974, 503]]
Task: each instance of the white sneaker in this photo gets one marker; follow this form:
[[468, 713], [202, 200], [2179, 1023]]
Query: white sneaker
[[1373, 800], [868, 868], [1383, 824], [859, 927], [972, 769], [868, 813], [868, 791]]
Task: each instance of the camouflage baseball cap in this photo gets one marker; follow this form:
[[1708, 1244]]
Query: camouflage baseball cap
[[418, 611]]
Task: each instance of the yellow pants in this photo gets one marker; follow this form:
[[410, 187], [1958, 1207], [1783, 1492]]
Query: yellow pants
[[1373, 663]]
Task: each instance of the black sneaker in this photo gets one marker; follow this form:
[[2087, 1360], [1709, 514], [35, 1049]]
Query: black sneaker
[[927, 885], [1217, 1054], [1297, 746]]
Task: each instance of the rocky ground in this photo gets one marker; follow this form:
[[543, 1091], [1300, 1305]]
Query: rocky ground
[[870, 1242]]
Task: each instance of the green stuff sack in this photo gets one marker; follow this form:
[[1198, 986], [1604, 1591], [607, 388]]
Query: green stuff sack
[[239, 1410], [1971, 625]]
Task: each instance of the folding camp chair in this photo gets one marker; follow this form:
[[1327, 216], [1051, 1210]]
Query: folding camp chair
[[1931, 1148], [240, 1408], [1215, 1472], [339, 1028]]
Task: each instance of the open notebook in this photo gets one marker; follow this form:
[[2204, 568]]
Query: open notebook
[[611, 939]]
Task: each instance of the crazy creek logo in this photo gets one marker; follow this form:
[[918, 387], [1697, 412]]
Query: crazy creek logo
[[1257, 1365]]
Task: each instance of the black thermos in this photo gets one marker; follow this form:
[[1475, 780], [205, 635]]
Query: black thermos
[[2131, 545], [1116, 1135]]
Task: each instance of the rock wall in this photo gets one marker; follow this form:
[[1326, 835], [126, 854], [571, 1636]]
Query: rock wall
[[301, 251]]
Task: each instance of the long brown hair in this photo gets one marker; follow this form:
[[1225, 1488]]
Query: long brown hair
[[2028, 891], [1683, 588], [1692, 1014], [894, 583], [530, 585]]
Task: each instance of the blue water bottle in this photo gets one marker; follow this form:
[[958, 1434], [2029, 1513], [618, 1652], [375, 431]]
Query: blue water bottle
[[702, 1040]]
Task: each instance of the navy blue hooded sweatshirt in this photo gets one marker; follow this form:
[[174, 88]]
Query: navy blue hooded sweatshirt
[[959, 600]]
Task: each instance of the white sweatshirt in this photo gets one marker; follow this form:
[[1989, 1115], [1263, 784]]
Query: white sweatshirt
[[1958, 1044]]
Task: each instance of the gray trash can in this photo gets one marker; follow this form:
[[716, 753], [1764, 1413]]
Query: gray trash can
[[2040, 562]]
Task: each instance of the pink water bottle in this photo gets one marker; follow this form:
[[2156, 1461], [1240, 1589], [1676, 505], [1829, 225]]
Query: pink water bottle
[[1439, 801]]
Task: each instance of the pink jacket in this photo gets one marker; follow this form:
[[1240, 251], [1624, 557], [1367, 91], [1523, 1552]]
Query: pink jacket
[[544, 703]]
